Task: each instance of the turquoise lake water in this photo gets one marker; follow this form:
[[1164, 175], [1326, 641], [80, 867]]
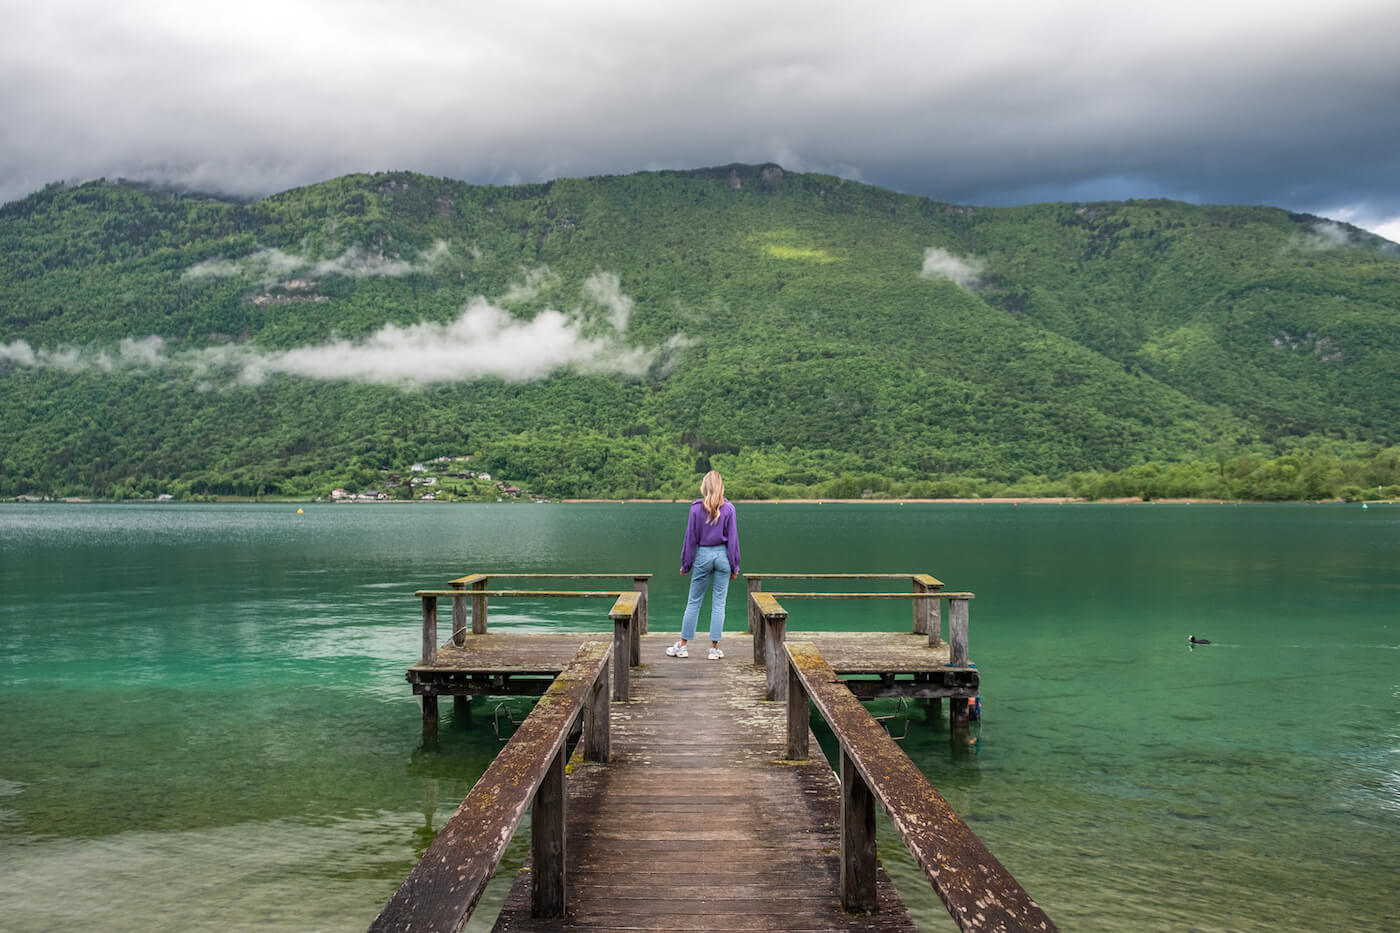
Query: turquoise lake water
[[205, 724]]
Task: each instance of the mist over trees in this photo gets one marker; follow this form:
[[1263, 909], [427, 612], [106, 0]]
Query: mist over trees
[[617, 336]]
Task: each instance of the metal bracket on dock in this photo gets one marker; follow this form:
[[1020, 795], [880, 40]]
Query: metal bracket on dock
[[901, 711], [496, 721]]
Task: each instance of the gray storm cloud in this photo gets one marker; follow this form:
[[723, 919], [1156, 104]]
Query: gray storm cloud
[[941, 264], [483, 341], [1224, 101]]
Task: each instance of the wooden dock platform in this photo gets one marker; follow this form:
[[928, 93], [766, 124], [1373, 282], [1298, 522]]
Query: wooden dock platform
[[877, 664], [697, 798], [698, 822]]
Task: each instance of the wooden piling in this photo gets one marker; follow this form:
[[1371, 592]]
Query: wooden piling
[[430, 714], [479, 606], [429, 655], [799, 718], [640, 584], [626, 646], [755, 585], [926, 610], [773, 624], [547, 841], [597, 727], [957, 631], [459, 615], [857, 841]]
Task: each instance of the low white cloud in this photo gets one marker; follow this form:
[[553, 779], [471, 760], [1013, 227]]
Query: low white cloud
[[268, 266], [534, 281], [941, 264], [18, 351], [264, 266], [129, 354], [605, 289], [483, 341], [1324, 235]]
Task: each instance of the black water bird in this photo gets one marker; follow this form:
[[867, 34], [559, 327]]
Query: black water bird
[[1192, 639]]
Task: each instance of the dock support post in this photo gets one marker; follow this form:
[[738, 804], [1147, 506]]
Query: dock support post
[[858, 894], [640, 585], [799, 717], [775, 633], [461, 708], [921, 608], [479, 607], [957, 712], [756, 619], [430, 714], [459, 615], [626, 646], [547, 841], [430, 700], [926, 611], [957, 632], [597, 720], [958, 729], [755, 585], [621, 657], [768, 643], [429, 629], [934, 621], [634, 631]]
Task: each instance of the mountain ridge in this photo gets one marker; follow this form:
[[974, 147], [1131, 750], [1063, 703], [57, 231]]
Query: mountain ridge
[[793, 326]]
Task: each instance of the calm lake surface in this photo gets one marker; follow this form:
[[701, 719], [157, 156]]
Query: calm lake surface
[[204, 723]]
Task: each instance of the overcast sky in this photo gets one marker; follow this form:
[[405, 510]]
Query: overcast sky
[[1293, 104]]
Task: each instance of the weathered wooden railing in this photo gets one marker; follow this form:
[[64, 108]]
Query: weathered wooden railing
[[627, 614], [447, 882], [922, 583], [978, 891], [768, 621], [475, 585]]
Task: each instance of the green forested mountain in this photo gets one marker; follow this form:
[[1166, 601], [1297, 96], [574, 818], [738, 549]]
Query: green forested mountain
[[614, 336]]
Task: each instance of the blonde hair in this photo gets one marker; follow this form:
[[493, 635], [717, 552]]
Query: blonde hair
[[712, 491]]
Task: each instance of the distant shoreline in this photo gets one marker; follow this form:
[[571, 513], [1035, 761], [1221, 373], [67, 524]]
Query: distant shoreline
[[996, 500]]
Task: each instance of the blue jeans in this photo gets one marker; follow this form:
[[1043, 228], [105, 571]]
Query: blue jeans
[[711, 568]]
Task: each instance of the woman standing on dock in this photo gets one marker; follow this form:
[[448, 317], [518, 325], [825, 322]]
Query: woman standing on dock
[[711, 548]]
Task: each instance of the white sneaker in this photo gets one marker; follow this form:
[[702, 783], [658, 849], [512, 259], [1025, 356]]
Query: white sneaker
[[716, 654], [677, 651]]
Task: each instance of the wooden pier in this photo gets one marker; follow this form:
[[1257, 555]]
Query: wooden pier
[[697, 798]]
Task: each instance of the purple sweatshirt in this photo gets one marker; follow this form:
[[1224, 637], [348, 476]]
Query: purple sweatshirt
[[700, 533]]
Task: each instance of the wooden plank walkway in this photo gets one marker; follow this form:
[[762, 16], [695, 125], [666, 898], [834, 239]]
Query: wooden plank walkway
[[697, 822]]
